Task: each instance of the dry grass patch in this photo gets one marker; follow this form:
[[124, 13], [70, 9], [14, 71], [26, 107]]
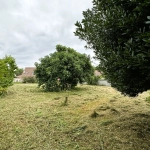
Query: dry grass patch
[[92, 118]]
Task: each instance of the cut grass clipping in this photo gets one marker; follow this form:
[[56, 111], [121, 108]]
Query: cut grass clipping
[[88, 118]]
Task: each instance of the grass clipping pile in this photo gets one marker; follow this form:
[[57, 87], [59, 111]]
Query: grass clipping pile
[[92, 118]]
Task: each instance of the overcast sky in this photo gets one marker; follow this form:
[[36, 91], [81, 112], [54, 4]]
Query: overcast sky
[[31, 29]]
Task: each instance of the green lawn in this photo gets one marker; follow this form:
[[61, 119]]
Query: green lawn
[[93, 118]]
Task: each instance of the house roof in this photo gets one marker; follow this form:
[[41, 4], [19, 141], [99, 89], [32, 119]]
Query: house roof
[[28, 72], [97, 73]]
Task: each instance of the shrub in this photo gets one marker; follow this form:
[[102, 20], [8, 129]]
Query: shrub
[[29, 79], [63, 69], [93, 80], [7, 72]]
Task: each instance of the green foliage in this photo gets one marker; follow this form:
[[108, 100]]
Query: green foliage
[[148, 98], [119, 33], [18, 71], [93, 80], [29, 79], [7, 72], [63, 69], [2, 91]]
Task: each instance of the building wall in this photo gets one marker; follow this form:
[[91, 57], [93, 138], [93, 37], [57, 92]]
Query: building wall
[[28, 72], [17, 80], [103, 82]]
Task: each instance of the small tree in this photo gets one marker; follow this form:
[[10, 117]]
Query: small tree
[[119, 33], [18, 71], [63, 69], [7, 73]]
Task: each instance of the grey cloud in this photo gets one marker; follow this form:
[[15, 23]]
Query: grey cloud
[[31, 29]]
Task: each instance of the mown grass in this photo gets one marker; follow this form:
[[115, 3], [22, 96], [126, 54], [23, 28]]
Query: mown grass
[[92, 118]]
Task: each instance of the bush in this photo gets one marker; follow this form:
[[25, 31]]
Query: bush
[[93, 80], [63, 69], [29, 80], [7, 73]]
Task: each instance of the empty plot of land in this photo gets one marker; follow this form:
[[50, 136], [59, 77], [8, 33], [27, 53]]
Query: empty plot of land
[[91, 118]]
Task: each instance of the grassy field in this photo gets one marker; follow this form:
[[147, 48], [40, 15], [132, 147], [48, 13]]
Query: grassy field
[[93, 118]]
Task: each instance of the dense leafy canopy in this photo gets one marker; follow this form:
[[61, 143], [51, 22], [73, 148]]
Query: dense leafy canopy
[[18, 71], [7, 72], [63, 69], [29, 79], [119, 33]]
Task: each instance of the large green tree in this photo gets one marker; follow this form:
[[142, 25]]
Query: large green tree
[[63, 69], [7, 73], [119, 33]]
